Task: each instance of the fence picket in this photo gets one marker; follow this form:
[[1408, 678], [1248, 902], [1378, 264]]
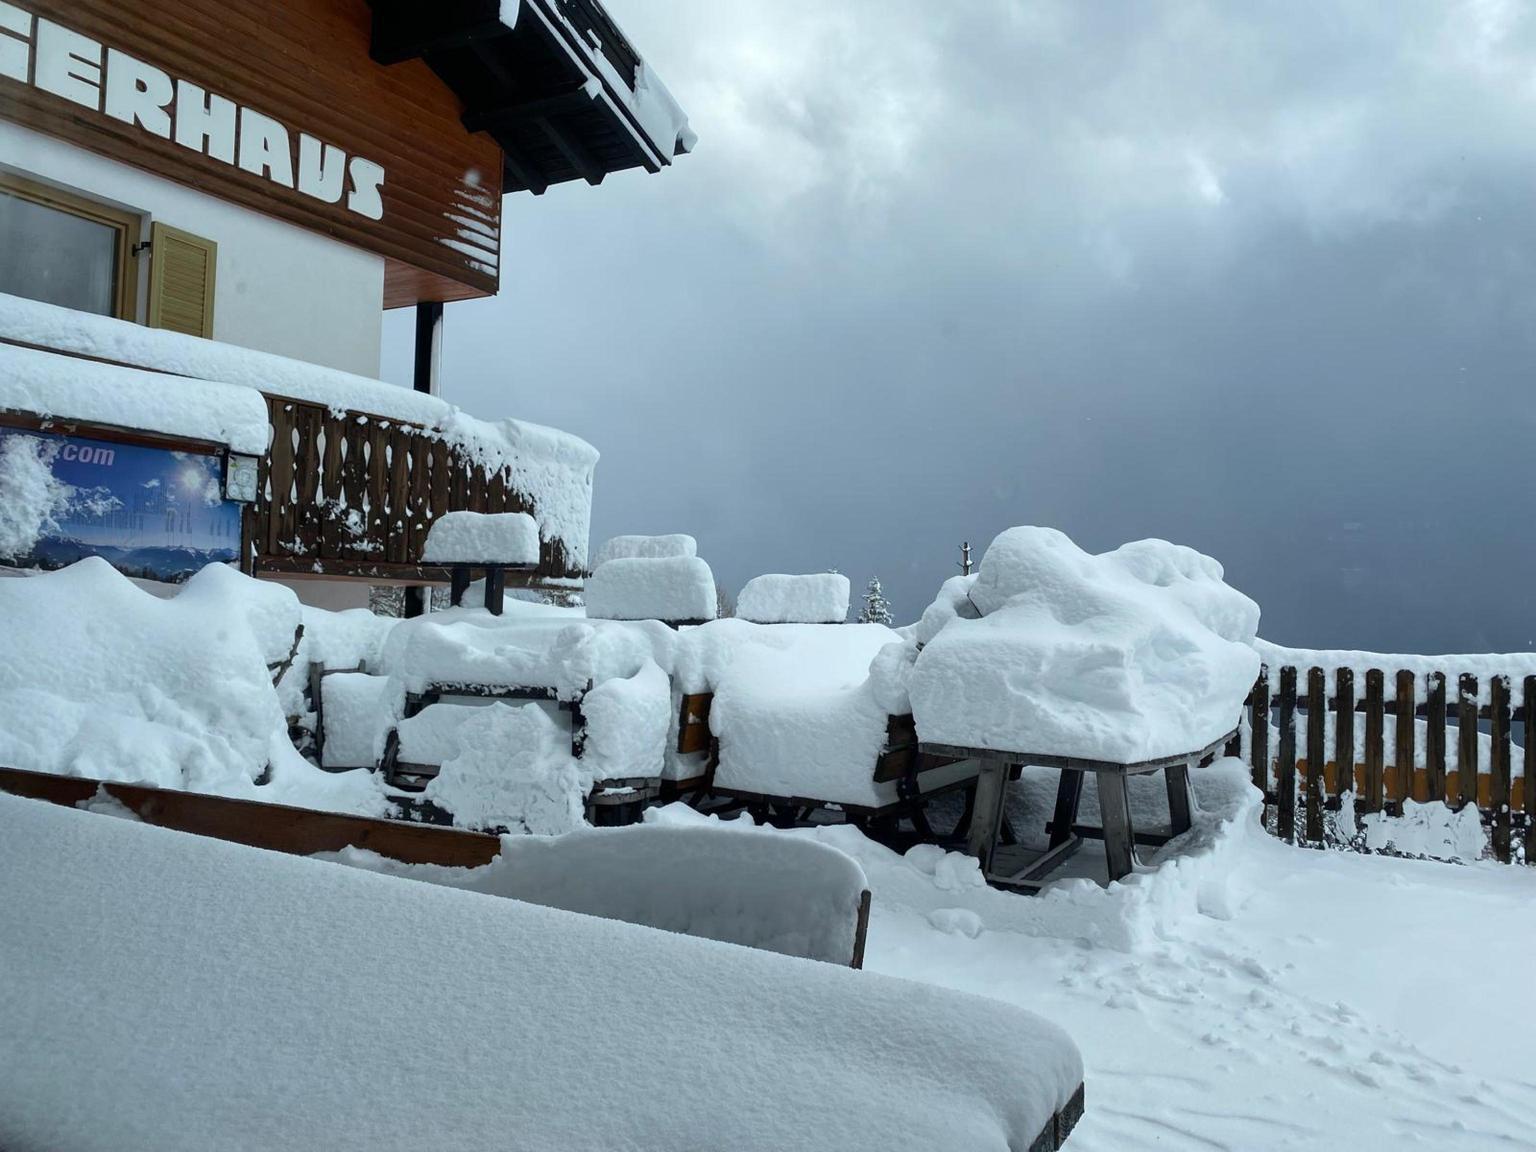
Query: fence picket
[[1344, 732], [1529, 762], [1466, 739], [1375, 740], [1404, 702], [1258, 731], [1434, 738], [1286, 800], [1317, 756], [1498, 766]]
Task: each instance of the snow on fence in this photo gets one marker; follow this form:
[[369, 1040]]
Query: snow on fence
[[353, 486], [1451, 738]]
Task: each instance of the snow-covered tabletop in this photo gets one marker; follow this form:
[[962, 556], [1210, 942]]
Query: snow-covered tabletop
[[173, 992]]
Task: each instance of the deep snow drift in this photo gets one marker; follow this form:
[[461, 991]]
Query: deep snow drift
[[1134, 654], [102, 679], [247, 999]]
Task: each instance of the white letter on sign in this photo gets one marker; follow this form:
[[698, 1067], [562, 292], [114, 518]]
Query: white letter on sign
[[201, 116], [138, 93], [68, 64], [364, 198], [320, 169], [15, 41], [264, 147]]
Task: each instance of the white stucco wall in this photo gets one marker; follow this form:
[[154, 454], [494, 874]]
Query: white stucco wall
[[279, 288]]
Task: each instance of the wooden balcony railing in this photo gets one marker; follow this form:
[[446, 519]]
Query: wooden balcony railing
[[353, 495]]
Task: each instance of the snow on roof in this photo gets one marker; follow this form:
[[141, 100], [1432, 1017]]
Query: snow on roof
[[553, 468], [250, 998], [672, 588], [69, 388], [816, 598], [643, 95], [1130, 655], [482, 538]]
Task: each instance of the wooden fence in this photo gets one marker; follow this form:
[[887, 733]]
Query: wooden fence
[[1441, 758], [355, 493]]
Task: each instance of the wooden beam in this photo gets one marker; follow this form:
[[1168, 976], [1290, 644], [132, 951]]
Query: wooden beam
[[519, 166], [276, 827], [581, 160], [407, 30], [575, 98]]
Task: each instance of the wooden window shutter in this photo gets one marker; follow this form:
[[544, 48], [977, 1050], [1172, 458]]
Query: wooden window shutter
[[181, 281]]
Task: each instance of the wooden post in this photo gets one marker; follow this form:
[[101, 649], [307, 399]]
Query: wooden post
[[1069, 792], [1529, 703], [459, 584], [1286, 799], [1375, 739], [1434, 738], [1404, 704], [495, 589], [1180, 814], [991, 795], [1498, 767], [1466, 739], [1119, 836], [1344, 732], [1258, 731], [1317, 754]]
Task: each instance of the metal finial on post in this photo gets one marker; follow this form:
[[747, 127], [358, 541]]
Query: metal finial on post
[[965, 558]]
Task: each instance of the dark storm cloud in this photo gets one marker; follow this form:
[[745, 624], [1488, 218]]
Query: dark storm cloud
[[1257, 278]]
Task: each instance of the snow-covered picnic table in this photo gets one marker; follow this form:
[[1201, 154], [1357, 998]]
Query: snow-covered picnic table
[[1126, 663]]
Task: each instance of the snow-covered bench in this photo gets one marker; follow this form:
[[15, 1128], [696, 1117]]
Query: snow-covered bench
[[784, 719], [598, 677], [283, 1011]]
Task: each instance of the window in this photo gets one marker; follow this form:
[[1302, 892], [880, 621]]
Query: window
[[66, 250]]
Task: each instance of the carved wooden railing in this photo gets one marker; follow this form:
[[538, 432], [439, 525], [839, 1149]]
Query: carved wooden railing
[[355, 494]]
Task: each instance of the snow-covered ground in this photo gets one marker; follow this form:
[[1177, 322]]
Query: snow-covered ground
[[1326, 1000]]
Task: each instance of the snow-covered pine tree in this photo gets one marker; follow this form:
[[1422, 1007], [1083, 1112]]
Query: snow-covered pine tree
[[877, 609]]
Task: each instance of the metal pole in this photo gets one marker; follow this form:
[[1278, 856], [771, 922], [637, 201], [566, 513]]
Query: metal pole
[[426, 377]]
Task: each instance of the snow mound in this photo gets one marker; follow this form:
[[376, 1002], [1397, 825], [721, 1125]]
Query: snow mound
[[482, 538], [795, 897], [272, 611], [358, 710], [817, 598], [512, 770], [645, 548], [673, 588], [628, 719], [470, 646], [1133, 654], [103, 680], [267, 977]]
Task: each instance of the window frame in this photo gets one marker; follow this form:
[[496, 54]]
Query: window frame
[[127, 225]]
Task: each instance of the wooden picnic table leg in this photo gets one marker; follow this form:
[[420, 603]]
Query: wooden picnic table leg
[[1179, 806], [495, 588], [1115, 810], [986, 822], [459, 585], [1069, 793]]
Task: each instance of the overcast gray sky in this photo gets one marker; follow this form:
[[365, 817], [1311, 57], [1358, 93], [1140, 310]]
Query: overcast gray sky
[[1256, 277]]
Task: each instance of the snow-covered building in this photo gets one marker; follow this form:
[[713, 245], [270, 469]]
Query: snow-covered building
[[205, 210]]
